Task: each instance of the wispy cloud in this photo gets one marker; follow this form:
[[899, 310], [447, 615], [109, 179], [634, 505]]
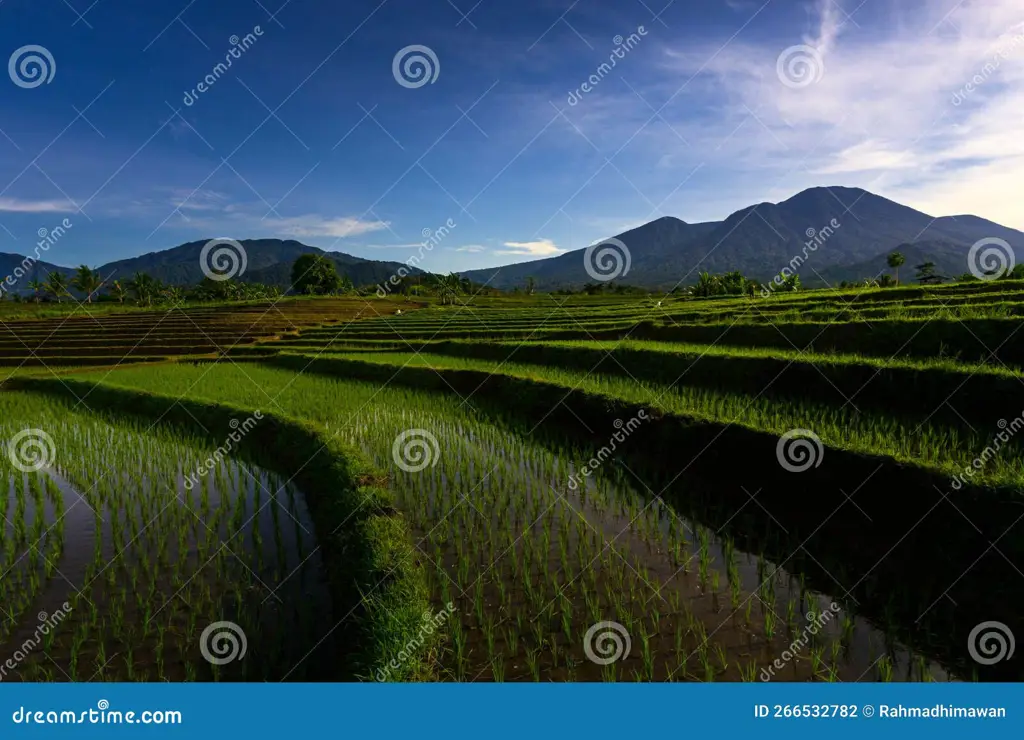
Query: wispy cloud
[[18, 205], [884, 114], [471, 248], [394, 246], [313, 225], [539, 248]]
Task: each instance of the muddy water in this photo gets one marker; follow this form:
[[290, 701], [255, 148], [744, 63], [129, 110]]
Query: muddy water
[[531, 564], [147, 562]]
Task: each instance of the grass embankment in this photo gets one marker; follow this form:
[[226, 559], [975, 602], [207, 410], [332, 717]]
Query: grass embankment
[[897, 548], [942, 448], [377, 586]]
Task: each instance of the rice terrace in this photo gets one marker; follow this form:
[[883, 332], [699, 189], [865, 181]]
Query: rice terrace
[[390, 342], [477, 487]]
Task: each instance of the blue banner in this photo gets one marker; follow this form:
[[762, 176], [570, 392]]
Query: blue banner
[[510, 710]]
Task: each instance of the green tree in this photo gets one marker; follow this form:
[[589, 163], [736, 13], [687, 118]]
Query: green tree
[[86, 280], [449, 287], [314, 274], [118, 292], [926, 274], [37, 287], [144, 287], [57, 283], [895, 260]]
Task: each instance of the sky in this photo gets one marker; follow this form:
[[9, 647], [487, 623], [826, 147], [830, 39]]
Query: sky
[[365, 126]]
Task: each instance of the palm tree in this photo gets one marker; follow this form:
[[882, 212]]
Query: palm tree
[[86, 280], [57, 283], [118, 292], [37, 287], [144, 287], [448, 287], [895, 260]]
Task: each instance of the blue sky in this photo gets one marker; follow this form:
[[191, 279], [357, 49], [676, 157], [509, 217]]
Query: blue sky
[[309, 135]]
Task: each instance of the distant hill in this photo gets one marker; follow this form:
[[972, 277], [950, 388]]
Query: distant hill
[[949, 259], [760, 240], [36, 271], [268, 261]]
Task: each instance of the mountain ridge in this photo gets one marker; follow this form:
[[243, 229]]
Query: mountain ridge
[[760, 240]]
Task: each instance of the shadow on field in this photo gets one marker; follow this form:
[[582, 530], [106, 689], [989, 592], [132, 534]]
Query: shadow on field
[[925, 563]]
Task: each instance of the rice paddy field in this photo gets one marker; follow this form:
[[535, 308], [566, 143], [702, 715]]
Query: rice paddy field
[[818, 486]]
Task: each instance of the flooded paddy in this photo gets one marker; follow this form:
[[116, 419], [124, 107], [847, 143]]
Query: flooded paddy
[[559, 576], [134, 554]]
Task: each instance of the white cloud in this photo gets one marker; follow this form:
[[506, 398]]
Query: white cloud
[[884, 114], [395, 246], [312, 225], [471, 248], [18, 205], [539, 248]]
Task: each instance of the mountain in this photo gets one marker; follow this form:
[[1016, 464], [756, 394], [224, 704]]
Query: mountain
[[35, 271], [827, 228], [949, 259], [268, 261]]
